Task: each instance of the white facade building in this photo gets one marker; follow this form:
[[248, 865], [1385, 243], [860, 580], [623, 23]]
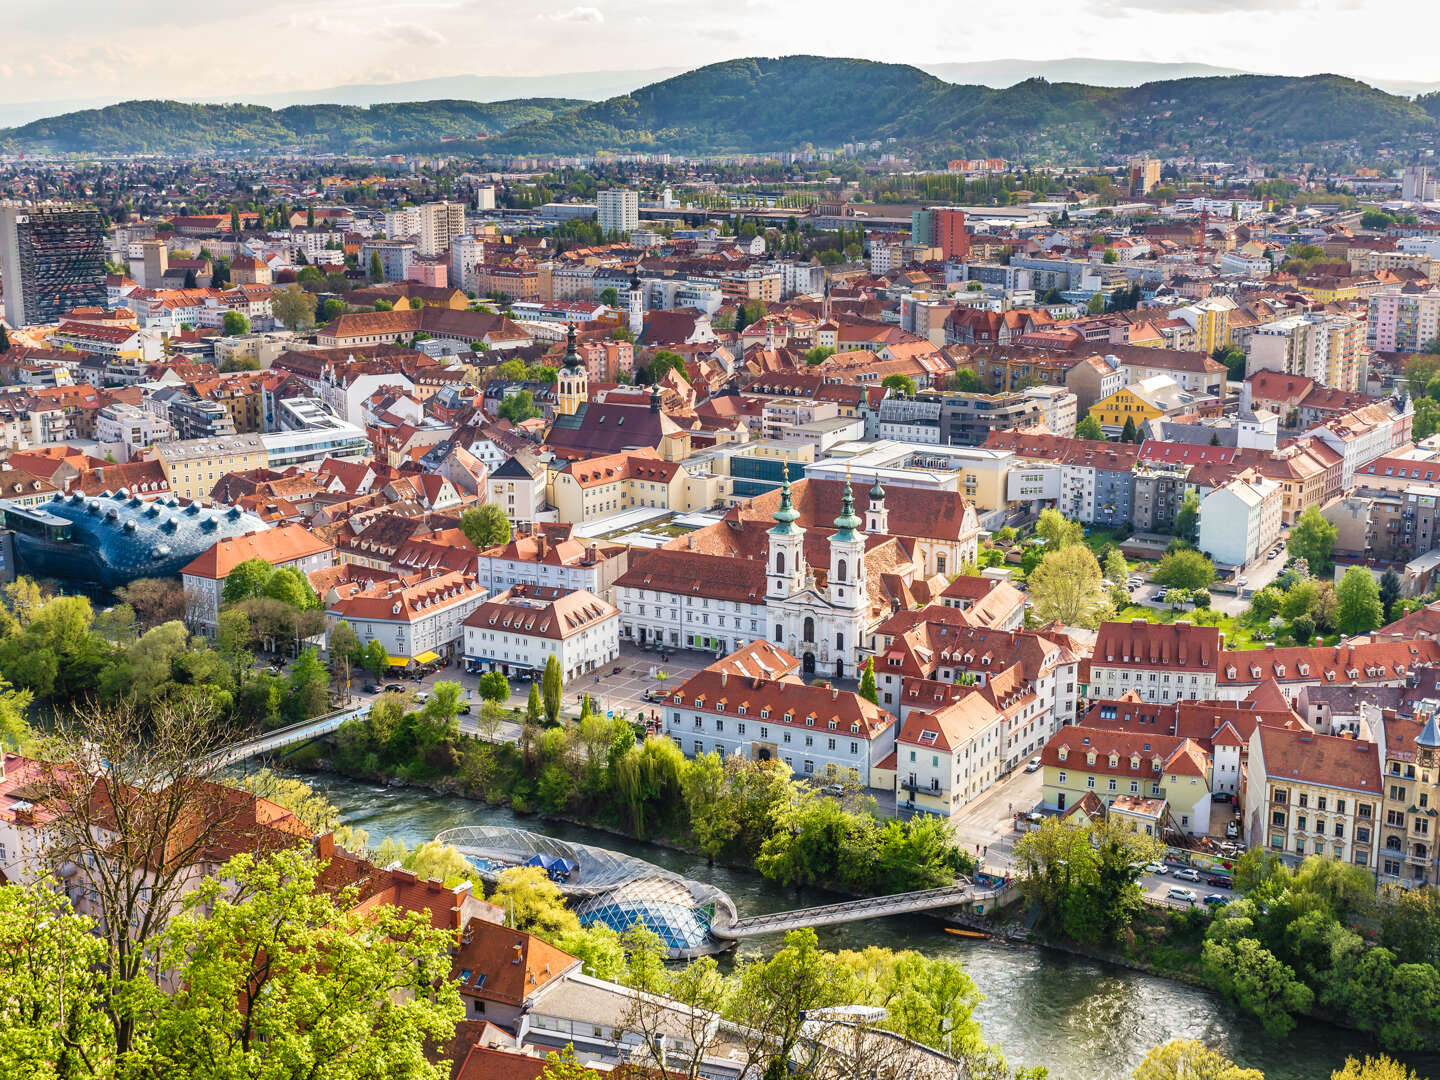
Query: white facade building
[[618, 210], [520, 629], [1240, 521]]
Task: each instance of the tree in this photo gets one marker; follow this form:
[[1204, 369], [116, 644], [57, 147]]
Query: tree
[[609, 297], [899, 385], [155, 600], [248, 579], [1190, 1059], [1187, 518], [1391, 590], [533, 707], [375, 659], [485, 526], [1184, 570], [308, 687], [276, 976], [1129, 433], [965, 381], [663, 361], [1359, 609], [134, 798], [532, 902], [1255, 979], [1089, 428], [1312, 538], [494, 687], [235, 221], [867, 682], [1110, 258], [290, 587], [1096, 306], [331, 309], [518, 407], [376, 272], [1380, 1068], [1057, 530], [294, 307], [235, 323], [1066, 588], [818, 355], [1234, 359], [550, 687]]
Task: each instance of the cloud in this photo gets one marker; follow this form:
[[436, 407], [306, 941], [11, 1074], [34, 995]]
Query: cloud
[[1220, 7], [591, 15], [410, 33]]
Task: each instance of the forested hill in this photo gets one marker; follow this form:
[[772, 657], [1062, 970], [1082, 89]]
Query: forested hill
[[175, 127], [761, 104]]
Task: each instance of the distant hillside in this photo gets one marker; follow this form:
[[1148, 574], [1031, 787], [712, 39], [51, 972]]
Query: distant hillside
[[174, 127], [1092, 71], [769, 104]]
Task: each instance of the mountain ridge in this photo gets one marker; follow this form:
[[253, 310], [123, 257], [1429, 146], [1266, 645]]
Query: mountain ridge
[[766, 104]]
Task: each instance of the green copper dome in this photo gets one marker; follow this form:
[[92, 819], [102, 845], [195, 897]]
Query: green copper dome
[[786, 515], [847, 522]]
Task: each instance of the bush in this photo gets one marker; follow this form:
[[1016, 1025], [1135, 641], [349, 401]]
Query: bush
[[1200, 598]]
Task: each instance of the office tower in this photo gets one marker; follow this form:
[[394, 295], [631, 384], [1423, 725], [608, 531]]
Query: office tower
[[618, 210], [52, 259]]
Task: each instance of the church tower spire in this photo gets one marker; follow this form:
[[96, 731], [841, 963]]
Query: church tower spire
[[786, 569], [572, 384], [877, 519], [847, 554]]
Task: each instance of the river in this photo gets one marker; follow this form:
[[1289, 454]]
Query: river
[[1083, 1020]]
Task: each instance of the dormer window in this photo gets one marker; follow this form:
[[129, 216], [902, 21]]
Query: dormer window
[[765, 714], [1114, 760], [789, 718], [1064, 752], [1090, 758], [1135, 761]]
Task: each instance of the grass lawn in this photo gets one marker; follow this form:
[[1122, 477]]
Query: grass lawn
[[1239, 633]]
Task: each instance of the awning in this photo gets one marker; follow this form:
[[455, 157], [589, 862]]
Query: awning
[[426, 657]]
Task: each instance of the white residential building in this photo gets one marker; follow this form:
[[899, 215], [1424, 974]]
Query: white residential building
[[413, 619], [1240, 521], [518, 630], [285, 545], [618, 210]]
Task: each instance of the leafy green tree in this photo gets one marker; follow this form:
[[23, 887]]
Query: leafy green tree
[[1391, 590], [1190, 1059], [518, 407], [609, 297], [485, 526], [1096, 306], [1251, 976], [663, 361], [1187, 518], [1089, 428], [899, 385], [494, 687], [344, 643], [1359, 610], [1129, 433], [533, 902], [1312, 538], [375, 659], [1057, 530], [294, 307], [290, 586], [1234, 359], [307, 692], [376, 271], [1110, 258], [1116, 568], [867, 682], [1066, 588], [276, 976], [235, 323], [551, 688], [1184, 570], [247, 580], [818, 355], [331, 309], [533, 707]]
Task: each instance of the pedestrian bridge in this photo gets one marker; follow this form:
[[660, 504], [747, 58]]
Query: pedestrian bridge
[[873, 907], [286, 736]]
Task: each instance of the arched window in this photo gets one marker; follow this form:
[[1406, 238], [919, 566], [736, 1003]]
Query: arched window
[[779, 562], [840, 570], [840, 642], [809, 628]]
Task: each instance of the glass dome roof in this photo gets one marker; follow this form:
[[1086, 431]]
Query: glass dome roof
[[114, 538], [607, 887]]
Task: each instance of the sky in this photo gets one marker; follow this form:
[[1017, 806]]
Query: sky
[[149, 48]]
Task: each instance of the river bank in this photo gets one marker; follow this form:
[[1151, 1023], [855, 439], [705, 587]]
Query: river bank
[[1083, 1018]]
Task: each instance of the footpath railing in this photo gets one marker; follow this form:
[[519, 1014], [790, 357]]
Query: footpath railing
[[303, 731]]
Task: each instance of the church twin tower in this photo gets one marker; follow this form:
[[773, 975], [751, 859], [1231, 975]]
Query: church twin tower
[[809, 619]]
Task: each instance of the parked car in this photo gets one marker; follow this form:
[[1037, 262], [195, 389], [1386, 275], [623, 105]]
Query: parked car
[[1157, 868], [394, 688], [1242, 582], [1186, 873], [1232, 831], [833, 790], [1222, 796], [464, 709], [1220, 881], [1216, 900], [1033, 766], [1178, 892], [1273, 555], [1135, 581], [421, 696], [373, 689]]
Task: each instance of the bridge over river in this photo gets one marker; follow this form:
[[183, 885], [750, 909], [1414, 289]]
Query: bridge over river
[[291, 735], [872, 907]]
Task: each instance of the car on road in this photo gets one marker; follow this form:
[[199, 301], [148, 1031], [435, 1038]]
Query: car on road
[[421, 696], [1216, 900], [1232, 831], [373, 689], [1034, 765], [1157, 868], [394, 688], [464, 708], [833, 790], [1179, 892], [1186, 873], [1220, 881], [1242, 581], [1273, 555], [1135, 581]]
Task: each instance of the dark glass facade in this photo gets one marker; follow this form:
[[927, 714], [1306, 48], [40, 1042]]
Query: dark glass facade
[[54, 260]]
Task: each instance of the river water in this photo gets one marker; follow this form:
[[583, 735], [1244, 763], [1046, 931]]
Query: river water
[[1081, 1019]]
